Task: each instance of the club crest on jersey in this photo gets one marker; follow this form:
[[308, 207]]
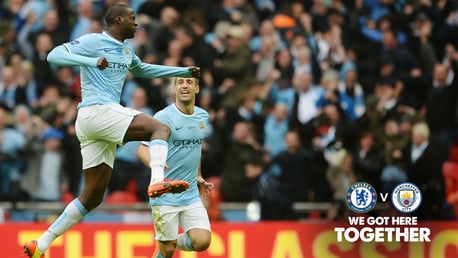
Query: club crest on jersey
[[74, 42], [201, 126], [126, 51]]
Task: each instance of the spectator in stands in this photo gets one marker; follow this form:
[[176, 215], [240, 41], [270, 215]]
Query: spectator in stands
[[289, 178], [143, 44], [303, 60], [275, 91], [340, 174], [340, 132], [244, 111], [36, 8], [305, 29], [169, 19], [46, 108], [421, 42], [264, 58], [84, 13], [235, 64], [406, 65], [424, 161], [275, 129], [139, 101], [441, 101], [212, 146], [329, 85], [387, 93], [32, 127], [10, 92], [373, 29], [193, 47], [305, 109], [55, 27], [69, 82], [216, 37], [8, 44], [50, 175], [44, 73], [12, 143], [285, 66], [331, 52], [266, 31], [73, 160], [22, 118], [51, 25], [26, 80], [242, 164], [394, 170], [235, 12], [368, 159], [351, 93], [335, 133]]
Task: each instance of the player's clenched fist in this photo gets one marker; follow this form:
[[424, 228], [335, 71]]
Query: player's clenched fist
[[102, 63], [195, 71]]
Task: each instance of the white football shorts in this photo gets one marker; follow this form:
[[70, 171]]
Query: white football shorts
[[168, 218], [100, 128]]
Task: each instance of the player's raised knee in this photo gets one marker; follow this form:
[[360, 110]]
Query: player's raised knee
[[200, 244]]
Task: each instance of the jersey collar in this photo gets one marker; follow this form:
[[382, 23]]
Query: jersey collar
[[111, 37]]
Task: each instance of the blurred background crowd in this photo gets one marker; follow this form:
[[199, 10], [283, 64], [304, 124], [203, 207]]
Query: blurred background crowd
[[305, 97]]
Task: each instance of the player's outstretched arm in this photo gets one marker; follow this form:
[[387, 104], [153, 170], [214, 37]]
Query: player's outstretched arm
[[144, 70], [62, 57]]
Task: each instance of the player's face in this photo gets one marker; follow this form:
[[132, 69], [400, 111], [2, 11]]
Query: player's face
[[129, 26], [186, 89]]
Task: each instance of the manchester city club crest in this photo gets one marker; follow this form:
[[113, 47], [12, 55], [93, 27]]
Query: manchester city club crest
[[361, 197], [406, 197]]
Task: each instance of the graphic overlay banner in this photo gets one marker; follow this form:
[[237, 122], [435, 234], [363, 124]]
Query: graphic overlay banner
[[232, 240], [362, 198]]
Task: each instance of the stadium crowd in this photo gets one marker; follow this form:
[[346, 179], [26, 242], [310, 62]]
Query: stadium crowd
[[305, 97]]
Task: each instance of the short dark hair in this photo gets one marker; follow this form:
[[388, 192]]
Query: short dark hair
[[174, 80], [115, 11]]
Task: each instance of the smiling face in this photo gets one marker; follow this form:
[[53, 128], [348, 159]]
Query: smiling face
[[186, 90]]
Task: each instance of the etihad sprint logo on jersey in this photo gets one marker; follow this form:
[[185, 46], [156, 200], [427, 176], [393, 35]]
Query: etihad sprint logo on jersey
[[117, 66], [190, 143]]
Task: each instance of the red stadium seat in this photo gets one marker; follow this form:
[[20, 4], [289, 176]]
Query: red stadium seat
[[131, 186], [67, 197], [453, 155], [450, 172], [121, 197]]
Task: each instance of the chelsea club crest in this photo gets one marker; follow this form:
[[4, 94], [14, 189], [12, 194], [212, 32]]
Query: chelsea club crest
[[361, 197]]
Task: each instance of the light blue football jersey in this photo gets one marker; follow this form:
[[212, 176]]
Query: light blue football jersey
[[105, 86], [185, 148]]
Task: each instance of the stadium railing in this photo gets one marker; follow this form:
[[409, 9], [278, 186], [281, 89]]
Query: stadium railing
[[231, 211]]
